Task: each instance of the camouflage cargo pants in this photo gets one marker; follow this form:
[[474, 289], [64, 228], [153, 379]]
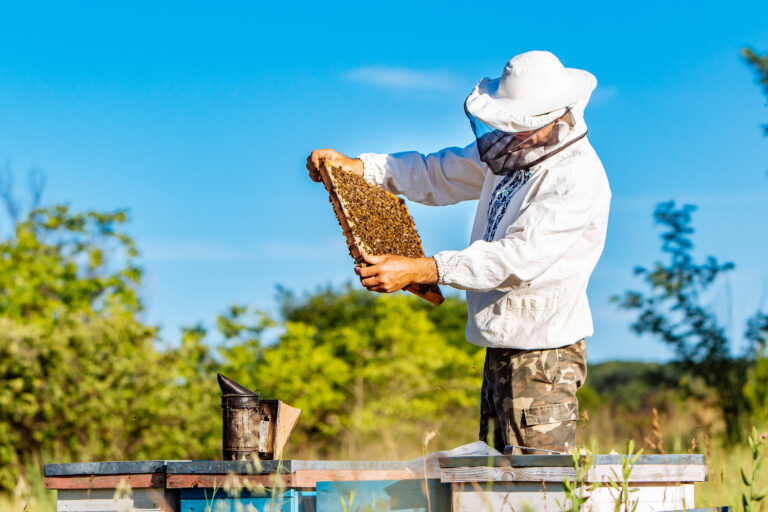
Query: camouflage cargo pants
[[528, 397]]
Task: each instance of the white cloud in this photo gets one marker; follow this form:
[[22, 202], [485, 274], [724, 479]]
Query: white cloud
[[403, 78], [301, 251], [603, 94], [193, 250], [207, 251]]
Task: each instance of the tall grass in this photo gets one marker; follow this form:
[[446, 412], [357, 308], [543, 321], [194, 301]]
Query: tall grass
[[29, 494]]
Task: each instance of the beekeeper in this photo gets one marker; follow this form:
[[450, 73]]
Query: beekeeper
[[538, 233]]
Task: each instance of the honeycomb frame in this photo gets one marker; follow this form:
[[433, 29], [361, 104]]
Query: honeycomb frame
[[376, 222]]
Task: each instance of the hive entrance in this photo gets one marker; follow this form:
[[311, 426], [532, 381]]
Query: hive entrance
[[376, 222]]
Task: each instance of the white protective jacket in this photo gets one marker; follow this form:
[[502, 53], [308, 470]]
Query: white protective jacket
[[526, 289]]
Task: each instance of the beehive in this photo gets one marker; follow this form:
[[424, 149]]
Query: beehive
[[376, 222]]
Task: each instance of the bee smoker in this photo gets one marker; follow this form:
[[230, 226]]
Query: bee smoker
[[251, 426]]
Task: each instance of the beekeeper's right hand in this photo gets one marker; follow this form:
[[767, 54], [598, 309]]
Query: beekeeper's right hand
[[316, 158]]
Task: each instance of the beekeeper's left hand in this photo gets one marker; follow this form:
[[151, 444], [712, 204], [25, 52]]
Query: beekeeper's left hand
[[390, 273]]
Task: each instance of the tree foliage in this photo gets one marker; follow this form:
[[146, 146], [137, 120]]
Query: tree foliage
[[82, 375], [368, 370], [760, 65], [85, 378], [673, 310]]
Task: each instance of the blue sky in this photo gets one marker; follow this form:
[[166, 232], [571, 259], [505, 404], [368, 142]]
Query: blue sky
[[198, 117]]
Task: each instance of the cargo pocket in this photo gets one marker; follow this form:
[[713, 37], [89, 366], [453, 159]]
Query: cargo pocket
[[551, 427]]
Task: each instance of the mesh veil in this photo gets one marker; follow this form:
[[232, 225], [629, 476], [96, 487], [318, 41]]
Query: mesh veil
[[507, 152]]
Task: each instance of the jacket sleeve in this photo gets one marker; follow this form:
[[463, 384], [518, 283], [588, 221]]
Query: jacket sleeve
[[557, 214], [442, 178]]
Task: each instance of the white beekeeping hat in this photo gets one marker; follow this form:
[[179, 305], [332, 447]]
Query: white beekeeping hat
[[532, 91]]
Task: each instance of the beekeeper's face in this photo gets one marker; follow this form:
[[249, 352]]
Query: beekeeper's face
[[536, 137], [521, 136]]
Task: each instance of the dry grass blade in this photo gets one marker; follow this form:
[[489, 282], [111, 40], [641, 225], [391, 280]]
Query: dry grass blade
[[656, 441]]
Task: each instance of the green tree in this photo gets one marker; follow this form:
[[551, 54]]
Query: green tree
[[368, 371], [756, 389], [673, 311], [82, 375]]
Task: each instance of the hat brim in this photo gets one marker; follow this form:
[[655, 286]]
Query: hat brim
[[527, 114]]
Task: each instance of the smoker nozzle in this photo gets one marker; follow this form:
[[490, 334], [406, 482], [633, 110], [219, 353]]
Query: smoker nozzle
[[230, 387]]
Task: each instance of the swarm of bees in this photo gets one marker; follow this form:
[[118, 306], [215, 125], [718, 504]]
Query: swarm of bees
[[374, 221]]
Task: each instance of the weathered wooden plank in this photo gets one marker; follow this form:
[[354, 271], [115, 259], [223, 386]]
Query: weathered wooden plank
[[191, 467], [603, 473], [225, 467], [650, 497], [565, 460], [506, 497], [516, 496], [349, 465], [105, 468], [310, 477], [154, 480], [218, 480], [105, 500]]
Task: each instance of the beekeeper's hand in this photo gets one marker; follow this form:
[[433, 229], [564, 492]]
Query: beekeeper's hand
[[389, 273], [314, 160]]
